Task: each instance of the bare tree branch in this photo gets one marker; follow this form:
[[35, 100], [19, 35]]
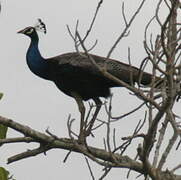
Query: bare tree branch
[[128, 24]]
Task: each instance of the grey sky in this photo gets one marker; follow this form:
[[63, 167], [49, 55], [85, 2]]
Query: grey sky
[[38, 103]]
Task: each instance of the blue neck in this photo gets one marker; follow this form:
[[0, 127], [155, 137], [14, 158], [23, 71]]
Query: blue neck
[[35, 61]]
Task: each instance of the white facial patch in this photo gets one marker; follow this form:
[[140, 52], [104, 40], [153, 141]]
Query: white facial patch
[[30, 31]]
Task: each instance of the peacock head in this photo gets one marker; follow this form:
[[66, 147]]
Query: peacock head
[[31, 30]]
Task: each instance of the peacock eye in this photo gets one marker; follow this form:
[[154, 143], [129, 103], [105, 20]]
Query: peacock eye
[[30, 31]]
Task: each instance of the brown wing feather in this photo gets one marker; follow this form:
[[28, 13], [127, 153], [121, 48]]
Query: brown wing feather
[[121, 70]]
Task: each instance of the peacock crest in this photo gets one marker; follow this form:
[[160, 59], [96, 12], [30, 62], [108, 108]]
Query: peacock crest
[[40, 26]]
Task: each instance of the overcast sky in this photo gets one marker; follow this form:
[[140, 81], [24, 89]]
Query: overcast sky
[[38, 103]]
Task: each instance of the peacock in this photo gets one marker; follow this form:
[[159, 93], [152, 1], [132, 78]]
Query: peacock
[[75, 75]]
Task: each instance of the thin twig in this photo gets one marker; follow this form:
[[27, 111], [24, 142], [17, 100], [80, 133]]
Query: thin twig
[[156, 13], [69, 126], [167, 151], [125, 29], [93, 20], [108, 125], [66, 157], [107, 170], [124, 16], [127, 114], [90, 170], [176, 168]]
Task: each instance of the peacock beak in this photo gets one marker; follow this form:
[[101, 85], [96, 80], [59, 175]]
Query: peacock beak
[[21, 31]]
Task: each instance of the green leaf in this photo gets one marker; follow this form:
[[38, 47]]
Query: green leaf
[[1, 95], [3, 174], [3, 131]]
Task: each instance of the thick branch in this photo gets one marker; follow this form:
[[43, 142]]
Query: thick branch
[[63, 143], [102, 156]]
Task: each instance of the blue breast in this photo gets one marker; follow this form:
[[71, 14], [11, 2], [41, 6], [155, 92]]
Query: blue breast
[[37, 64]]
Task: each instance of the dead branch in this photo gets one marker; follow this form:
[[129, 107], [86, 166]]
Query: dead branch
[[49, 142], [89, 167], [128, 24], [16, 140], [28, 153], [93, 20], [160, 141]]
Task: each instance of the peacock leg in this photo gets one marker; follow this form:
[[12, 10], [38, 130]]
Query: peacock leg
[[81, 107], [98, 107]]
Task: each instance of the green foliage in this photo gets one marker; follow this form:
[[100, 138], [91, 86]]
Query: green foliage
[[1, 95], [3, 131], [3, 174]]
